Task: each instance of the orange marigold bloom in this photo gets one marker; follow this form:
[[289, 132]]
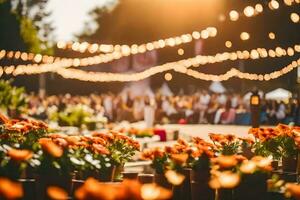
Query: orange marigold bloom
[[10, 189], [50, 147], [180, 159], [100, 149], [73, 140], [147, 154], [293, 190], [225, 161], [56, 193], [182, 142], [19, 155], [3, 119], [106, 136]]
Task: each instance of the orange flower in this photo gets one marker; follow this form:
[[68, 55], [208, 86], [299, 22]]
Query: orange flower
[[73, 140], [147, 154], [3, 119], [182, 142], [225, 161], [154, 192], [216, 137], [56, 193], [90, 191], [57, 135], [19, 155], [158, 153], [284, 129], [293, 190], [100, 149], [180, 159], [106, 136], [61, 142], [10, 189], [51, 148]]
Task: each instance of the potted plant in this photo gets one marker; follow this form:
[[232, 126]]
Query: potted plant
[[159, 160], [12, 99]]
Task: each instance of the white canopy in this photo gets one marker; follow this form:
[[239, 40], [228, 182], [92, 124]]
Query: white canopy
[[165, 90], [217, 87], [279, 94]]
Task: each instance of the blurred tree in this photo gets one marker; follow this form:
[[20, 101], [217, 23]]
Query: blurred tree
[[10, 34], [26, 26]]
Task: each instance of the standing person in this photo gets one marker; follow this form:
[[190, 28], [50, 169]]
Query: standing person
[[204, 100], [149, 113], [280, 112], [108, 106], [255, 108]]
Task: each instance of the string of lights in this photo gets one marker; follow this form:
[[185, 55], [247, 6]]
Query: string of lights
[[248, 11], [118, 51], [110, 77], [195, 61]]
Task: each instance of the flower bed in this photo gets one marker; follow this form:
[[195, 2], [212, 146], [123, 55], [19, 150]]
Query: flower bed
[[228, 167]]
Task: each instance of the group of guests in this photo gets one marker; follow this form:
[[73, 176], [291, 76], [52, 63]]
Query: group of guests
[[201, 107]]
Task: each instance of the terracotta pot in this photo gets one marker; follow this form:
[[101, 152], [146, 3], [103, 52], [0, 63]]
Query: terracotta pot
[[43, 181], [289, 164], [252, 186], [161, 180], [183, 191], [199, 185]]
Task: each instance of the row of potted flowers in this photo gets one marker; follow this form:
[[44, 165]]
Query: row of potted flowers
[[229, 167], [28, 151]]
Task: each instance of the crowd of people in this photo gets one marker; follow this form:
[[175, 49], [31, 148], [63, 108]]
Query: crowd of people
[[201, 107]]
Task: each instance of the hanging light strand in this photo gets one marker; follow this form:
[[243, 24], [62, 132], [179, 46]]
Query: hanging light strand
[[110, 77], [196, 61], [248, 11]]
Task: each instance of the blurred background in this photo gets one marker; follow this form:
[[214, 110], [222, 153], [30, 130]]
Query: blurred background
[[41, 27]]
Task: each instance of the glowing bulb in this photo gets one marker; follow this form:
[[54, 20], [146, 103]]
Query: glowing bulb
[[38, 58], [228, 44], [245, 36], [295, 17], [168, 76], [234, 15], [249, 11], [288, 2], [272, 35], [212, 31], [204, 34], [180, 52], [259, 8], [196, 35], [61, 45], [273, 5]]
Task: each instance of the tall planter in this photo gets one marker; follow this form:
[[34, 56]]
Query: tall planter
[[43, 181], [183, 191], [162, 181], [117, 173], [200, 189], [290, 164], [252, 186]]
